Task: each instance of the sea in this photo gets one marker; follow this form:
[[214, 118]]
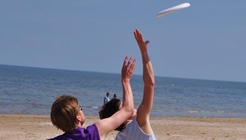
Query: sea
[[29, 90]]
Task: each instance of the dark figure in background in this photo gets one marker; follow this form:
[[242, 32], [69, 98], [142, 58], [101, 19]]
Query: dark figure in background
[[115, 96]]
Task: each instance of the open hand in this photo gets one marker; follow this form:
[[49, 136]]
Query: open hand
[[128, 68]]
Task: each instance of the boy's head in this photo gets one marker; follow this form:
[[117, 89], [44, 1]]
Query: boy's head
[[109, 109], [66, 113], [115, 95], [107, 94]]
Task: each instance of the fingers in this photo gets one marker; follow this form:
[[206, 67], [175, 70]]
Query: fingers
[[131, 62], [133, 65], [138, 35], [137, 32], [146, 42], [125, 61], [128, 67]]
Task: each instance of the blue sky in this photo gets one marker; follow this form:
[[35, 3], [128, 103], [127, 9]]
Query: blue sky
[[205, 41]]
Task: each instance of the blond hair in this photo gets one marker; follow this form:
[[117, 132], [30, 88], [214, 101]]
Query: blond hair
[[64, 111]]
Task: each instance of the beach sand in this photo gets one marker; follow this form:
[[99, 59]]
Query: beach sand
[[39, 127]]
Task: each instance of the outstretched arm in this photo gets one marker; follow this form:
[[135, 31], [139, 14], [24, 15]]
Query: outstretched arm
[[126, 75], [109, 124], [149, 82]]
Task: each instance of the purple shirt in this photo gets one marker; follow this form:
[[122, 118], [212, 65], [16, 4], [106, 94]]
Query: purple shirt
[[89, 133]]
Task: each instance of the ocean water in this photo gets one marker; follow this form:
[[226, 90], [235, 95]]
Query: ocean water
[[27, 90]]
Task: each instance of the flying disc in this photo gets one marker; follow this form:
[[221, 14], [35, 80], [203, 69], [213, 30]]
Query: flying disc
[[173, 9]]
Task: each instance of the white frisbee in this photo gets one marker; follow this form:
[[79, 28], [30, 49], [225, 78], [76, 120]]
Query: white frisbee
[[173, 9]]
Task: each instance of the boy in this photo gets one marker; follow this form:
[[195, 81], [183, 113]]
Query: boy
[[67, 115]]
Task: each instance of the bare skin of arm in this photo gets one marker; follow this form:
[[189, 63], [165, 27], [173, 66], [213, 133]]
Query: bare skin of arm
[[107, 125], [126, 75], [145, 107]]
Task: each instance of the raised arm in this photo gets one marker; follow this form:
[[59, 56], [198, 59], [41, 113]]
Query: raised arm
[[145, 107], [126, 75], [109, 124]]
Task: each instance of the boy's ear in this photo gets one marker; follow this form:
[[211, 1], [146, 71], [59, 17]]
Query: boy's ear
[[78, 117]]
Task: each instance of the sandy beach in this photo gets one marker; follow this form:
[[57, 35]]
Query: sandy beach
[[39, 127]]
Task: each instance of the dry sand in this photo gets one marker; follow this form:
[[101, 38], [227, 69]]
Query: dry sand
[[39, 127]]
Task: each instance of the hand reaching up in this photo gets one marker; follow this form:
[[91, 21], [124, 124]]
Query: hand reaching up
[[141, 43], [128, 68]]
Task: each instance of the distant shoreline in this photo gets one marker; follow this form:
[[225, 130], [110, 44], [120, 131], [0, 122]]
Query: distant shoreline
[[36, 67]]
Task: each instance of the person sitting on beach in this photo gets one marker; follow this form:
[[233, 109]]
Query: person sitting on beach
[[106, 98], [67, 115], [138, 126], [115, 96]]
